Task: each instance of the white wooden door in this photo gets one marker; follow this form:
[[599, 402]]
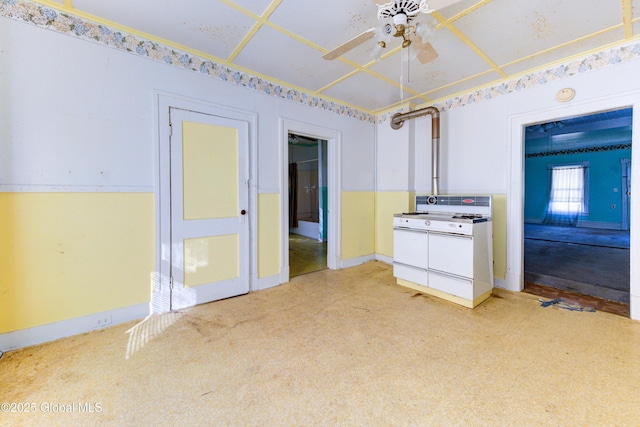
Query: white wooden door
[[209, 202]]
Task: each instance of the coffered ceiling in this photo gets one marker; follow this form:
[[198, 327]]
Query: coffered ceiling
[[478, 42]]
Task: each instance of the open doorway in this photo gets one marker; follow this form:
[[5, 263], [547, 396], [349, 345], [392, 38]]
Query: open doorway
[[308, 200], [576, 205]]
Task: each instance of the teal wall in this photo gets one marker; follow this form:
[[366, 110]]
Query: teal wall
[[605, 174]]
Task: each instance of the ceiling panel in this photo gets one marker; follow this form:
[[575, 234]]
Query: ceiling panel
[[510, 29], [367, 91], [565, 51], [207, 26], [462, 86], [281, 57], [454, 9], [256, 6], [474, 37], [327, 23]]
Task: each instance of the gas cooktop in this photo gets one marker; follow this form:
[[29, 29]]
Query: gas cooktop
[[443, 216]]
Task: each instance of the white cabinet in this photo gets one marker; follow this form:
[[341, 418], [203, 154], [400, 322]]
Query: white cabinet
[[457, 267]]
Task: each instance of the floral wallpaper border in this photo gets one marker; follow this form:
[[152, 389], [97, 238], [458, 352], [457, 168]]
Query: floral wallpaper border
[[46, 17]]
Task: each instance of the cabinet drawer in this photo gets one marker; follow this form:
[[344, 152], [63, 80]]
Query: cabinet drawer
[[453, 285], [412, 274]]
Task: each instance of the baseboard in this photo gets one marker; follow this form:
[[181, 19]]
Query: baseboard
[[385, 259], [634, 306], [307, 229], [513, 282], [533, 221], [499, 283], [600, 225], [268, 282], [583, 224], [67, 328], [352, 262]]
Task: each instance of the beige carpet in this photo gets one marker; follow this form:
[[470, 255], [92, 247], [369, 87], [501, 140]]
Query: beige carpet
[[339, 348]]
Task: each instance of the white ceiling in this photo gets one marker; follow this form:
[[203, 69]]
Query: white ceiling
[[478, 42]]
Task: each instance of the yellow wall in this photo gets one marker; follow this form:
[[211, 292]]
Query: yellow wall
[[357, 224], [268, 234], [387, 204], [66, 255]]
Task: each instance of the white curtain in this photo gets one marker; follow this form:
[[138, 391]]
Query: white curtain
[[566, 198]]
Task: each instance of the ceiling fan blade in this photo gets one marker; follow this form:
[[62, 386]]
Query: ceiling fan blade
[[426, 53], [347, 46]]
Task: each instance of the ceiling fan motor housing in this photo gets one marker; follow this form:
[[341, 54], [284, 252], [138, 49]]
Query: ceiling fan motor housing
[[409, 8]]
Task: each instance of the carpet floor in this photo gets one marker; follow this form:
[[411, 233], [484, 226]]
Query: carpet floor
[[346, 347]]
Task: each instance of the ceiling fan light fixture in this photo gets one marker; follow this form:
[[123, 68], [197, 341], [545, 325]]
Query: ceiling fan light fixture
[[384, 31], [377, 51], [395, 18], [424, 31], [402, 12], [400, 19]]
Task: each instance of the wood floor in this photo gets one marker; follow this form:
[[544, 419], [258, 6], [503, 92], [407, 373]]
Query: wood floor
[[306, 255], [600, 304]]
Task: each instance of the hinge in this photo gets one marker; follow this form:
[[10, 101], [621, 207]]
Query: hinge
[[170, 282], [170, 129]]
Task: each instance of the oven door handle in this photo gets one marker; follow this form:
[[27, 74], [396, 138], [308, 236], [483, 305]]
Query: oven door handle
[[463, 236], [411, 230]]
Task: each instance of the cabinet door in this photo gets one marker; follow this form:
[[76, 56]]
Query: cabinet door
[[451, 253], [410, 248]]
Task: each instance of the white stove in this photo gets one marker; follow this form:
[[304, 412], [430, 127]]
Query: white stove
[[445, 248]]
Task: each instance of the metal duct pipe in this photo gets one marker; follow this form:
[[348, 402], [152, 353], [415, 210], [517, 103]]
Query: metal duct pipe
[[398, 120]]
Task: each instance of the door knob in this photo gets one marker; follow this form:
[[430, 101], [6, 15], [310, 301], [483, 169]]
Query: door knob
[[243, 212]]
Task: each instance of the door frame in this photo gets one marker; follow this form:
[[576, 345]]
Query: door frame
[[163, 101], [333, 138], [515, 196], [625, 166]]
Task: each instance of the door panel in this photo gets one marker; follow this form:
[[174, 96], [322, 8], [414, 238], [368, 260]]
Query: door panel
[[210, 155], [209, 200], [211, 259]]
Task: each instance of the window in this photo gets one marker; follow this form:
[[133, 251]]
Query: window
[[568, 194]]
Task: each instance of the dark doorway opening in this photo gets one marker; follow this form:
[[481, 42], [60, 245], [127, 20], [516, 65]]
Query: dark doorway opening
[[308, 200]]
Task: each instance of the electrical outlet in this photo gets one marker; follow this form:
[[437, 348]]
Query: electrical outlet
[[103, 321]]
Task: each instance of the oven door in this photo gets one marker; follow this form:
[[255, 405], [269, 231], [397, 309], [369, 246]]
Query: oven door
[[411, 247], [451, 253]]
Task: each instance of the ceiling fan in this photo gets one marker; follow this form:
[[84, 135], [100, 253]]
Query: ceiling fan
[[396, 19]]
